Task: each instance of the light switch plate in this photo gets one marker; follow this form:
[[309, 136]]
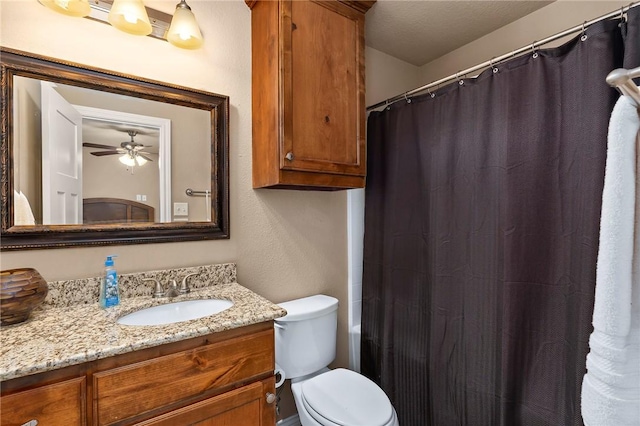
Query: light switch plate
[[181, 209]]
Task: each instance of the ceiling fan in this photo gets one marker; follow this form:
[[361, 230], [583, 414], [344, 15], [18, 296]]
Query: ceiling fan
[[131, 152]]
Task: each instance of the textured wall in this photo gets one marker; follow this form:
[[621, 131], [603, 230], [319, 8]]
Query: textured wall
[[542, 23], [286, 244]]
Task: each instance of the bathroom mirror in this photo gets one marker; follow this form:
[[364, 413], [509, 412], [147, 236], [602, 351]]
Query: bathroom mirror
[[94, 157]]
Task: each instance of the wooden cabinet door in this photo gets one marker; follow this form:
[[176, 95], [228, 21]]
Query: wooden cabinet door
[[322, 83], [245, 406], [61, 403]]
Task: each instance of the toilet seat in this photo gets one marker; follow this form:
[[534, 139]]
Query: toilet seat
[[345, 398]]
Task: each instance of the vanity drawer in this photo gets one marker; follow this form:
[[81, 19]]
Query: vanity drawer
[[239, 407], [140, 388], [60, 403]]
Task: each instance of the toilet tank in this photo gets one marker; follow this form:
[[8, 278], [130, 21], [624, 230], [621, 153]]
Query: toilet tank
[[306, 336]]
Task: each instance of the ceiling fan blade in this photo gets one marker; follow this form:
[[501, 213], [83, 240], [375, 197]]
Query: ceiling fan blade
[[96, 145], [101, 153], [145, 157]]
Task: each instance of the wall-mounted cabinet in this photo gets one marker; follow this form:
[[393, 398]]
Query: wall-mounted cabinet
[[308, 94]]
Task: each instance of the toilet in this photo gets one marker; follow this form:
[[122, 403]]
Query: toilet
[[305, 346]]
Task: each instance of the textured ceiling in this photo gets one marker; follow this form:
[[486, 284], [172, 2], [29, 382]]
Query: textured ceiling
[[421, 31]]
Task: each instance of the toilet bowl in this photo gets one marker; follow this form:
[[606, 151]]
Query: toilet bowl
[[305, 346], [342, 397]]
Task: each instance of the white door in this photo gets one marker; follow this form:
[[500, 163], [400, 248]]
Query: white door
[[61, 159]]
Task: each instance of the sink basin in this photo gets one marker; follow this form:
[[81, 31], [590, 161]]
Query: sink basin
[[176, 312]]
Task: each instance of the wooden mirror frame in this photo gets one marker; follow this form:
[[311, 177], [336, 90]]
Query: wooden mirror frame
[[17, 63]]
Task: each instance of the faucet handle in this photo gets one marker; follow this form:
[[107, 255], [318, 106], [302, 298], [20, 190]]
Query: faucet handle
[[184, 287], [158, 291]]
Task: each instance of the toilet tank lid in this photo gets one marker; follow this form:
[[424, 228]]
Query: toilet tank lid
[[308, 307]]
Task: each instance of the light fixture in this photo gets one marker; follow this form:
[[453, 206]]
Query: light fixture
[[184, 31], [127, 160], [130, 159], [130, 16], [79, 8], [133, 17]]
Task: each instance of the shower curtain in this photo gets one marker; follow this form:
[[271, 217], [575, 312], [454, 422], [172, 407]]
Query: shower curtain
[[481, 235]]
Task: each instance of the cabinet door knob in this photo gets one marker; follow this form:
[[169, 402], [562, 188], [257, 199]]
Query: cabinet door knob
[[289, 156], [32, 422], [271, 398]]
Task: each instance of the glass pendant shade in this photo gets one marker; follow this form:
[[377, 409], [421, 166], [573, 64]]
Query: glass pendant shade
[[141, 161], [127, 160], [130, 16], [79, 8], [184, 31]]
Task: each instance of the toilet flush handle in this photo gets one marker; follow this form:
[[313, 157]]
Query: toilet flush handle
[[281, 327]]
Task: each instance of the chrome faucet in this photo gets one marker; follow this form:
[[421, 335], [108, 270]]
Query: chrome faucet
[[184, 287], [172, 289]]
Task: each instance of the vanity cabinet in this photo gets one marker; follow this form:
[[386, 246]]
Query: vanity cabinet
[[308, 90], [221, 378], [61, 403]]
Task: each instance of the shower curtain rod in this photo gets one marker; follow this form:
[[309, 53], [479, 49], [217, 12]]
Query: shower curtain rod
[[622, 80], [498, 59]]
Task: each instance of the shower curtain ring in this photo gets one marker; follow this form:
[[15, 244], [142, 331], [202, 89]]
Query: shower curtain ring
[[494, 69], [533, 49], [460, 82], [407, 99], [584, 35]]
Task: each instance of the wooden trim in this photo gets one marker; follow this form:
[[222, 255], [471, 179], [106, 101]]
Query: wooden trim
[[361, 6]]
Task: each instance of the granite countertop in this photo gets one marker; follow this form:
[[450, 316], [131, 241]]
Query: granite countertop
[[62, 336]]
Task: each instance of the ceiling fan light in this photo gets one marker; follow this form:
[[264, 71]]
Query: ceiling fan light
[[184, 31], [130, 16], [78, 8], [140, 160], [127, 160]]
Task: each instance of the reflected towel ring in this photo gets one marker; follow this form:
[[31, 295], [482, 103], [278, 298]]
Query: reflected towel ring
[[584, 35]]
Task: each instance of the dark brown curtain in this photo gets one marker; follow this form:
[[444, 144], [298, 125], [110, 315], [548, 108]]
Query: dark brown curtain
[[481, 236]]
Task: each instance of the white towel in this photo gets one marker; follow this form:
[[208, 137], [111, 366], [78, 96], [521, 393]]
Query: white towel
[[22, 213], [611, 387]]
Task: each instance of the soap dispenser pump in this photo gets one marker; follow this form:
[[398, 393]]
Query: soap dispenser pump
[[109, 294]]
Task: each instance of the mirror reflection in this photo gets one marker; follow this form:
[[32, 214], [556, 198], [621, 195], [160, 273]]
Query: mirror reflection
[[84, 156]]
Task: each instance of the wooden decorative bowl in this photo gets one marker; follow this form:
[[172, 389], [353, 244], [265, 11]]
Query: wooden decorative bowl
[[21, 290]]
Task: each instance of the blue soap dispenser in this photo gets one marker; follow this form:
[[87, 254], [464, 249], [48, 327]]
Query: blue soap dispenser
[[109, 294]]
